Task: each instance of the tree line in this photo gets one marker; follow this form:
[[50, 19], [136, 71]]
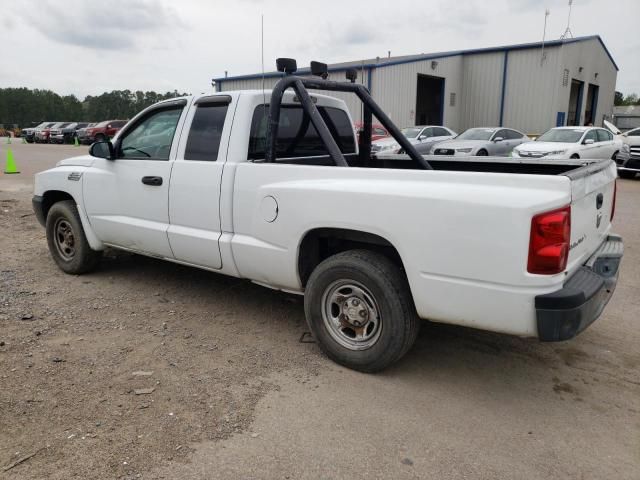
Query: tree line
[[621, 99], [25, 107]]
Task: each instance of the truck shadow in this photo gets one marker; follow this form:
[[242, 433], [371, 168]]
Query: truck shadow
[[452, 356]]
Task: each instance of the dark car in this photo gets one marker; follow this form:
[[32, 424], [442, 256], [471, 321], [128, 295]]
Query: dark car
[[66, 133], [56, 134], [103, 130]]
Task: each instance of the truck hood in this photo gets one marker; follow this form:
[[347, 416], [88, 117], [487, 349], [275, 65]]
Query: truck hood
[[81, 161], [544, 147]]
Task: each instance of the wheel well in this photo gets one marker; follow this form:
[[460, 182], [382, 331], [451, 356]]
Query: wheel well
[[51, 197], [575, 155], [321, 243]]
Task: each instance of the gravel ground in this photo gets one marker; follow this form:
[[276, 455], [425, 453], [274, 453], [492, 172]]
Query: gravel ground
[[146, 369]]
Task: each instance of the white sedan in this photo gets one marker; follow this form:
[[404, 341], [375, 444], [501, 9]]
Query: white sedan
[[572, 142], [423, 137]]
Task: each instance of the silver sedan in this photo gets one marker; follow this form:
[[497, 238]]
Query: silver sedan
[[492, 141]]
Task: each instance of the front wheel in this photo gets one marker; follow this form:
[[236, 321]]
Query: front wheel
[[66, 239], [482, 153], [359, 308]]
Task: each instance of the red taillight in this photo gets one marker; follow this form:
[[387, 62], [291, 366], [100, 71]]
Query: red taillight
[[549, 241], [615, 194]]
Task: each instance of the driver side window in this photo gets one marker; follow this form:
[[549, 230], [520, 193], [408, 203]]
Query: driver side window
[[151, 137], [591, 135], [427, 133]]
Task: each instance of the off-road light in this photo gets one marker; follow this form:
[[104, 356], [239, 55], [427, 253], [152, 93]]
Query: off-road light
[[351, 74], [319, 70], [286, 65]]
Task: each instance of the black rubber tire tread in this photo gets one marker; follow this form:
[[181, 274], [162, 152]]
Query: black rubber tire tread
[[482, 153], [85, 259], [575, 155], [626, 174], [388, 283]]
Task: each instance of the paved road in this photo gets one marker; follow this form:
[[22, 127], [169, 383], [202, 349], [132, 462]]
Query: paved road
[[462, 404]]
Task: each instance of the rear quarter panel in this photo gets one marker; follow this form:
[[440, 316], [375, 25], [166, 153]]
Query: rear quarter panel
[[463, 237]]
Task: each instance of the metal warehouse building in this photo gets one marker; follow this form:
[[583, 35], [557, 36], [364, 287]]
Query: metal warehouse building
[[530, 87]]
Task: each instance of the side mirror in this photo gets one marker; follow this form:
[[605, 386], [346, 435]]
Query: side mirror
[[422, 137], [498, 139], [102, 150], [589, 141]]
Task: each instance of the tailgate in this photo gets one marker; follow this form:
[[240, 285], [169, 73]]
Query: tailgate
[[592, 192]]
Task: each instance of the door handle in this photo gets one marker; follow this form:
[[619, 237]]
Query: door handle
[[153, 181]]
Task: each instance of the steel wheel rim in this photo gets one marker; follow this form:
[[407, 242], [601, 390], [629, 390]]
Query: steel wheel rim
[[64, 239], [351, 314]]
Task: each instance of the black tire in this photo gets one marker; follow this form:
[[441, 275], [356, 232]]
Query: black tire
[[66, 239], [575, 156], [385, 287], [482, 153], [626, 174]]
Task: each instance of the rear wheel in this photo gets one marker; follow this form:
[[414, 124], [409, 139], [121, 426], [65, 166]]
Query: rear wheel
[[575, 155], [626, 174], [66, 239], [359, 308], [482, 153]]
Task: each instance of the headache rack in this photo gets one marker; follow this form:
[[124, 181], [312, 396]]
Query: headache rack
[[300, 85]]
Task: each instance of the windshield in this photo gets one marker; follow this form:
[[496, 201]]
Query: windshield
[[103, 124], [411, 132], [476, 134], [563, 135]]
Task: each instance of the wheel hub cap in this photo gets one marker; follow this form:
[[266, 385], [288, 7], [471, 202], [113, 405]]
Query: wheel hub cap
[[351, 315]]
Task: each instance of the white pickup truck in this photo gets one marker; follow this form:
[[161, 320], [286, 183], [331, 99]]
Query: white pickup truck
[[223, 183]]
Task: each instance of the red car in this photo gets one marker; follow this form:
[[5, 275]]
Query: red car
[[377, 131], [103, 130]]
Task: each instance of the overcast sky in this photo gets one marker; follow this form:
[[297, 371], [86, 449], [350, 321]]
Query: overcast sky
[[88, 47]]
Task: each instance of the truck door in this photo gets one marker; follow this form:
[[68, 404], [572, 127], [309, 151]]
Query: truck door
[[194, 193], [127, 199]]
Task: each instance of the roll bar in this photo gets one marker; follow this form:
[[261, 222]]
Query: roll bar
[[300, 85]]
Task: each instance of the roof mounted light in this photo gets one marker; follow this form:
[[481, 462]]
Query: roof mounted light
[[287, 65], [351, 74], [319, 70]]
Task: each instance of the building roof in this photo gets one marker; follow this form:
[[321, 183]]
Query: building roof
[[389, 61]]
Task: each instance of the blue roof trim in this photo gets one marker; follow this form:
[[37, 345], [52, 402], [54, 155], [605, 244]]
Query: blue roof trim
[[433, 56]]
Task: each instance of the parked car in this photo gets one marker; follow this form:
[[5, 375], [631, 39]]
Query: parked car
[[572, 142], [56, 133], [482, 141], [66, 133], [422, 137], [29, 132], [81, 133], [512, 253], [377, 131], [41, 133], [629, 163], [103, 130]]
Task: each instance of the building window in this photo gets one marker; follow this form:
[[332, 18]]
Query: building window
[[452, 99]]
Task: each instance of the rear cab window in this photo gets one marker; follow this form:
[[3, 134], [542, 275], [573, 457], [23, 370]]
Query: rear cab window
[[297, 137]]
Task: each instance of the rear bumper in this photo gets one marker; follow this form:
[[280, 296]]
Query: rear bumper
[[563, 314]]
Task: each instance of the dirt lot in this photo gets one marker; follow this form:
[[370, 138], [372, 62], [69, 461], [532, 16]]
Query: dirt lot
[[147, 369]]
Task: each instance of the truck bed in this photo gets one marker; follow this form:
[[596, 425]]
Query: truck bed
[[465, 164]]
